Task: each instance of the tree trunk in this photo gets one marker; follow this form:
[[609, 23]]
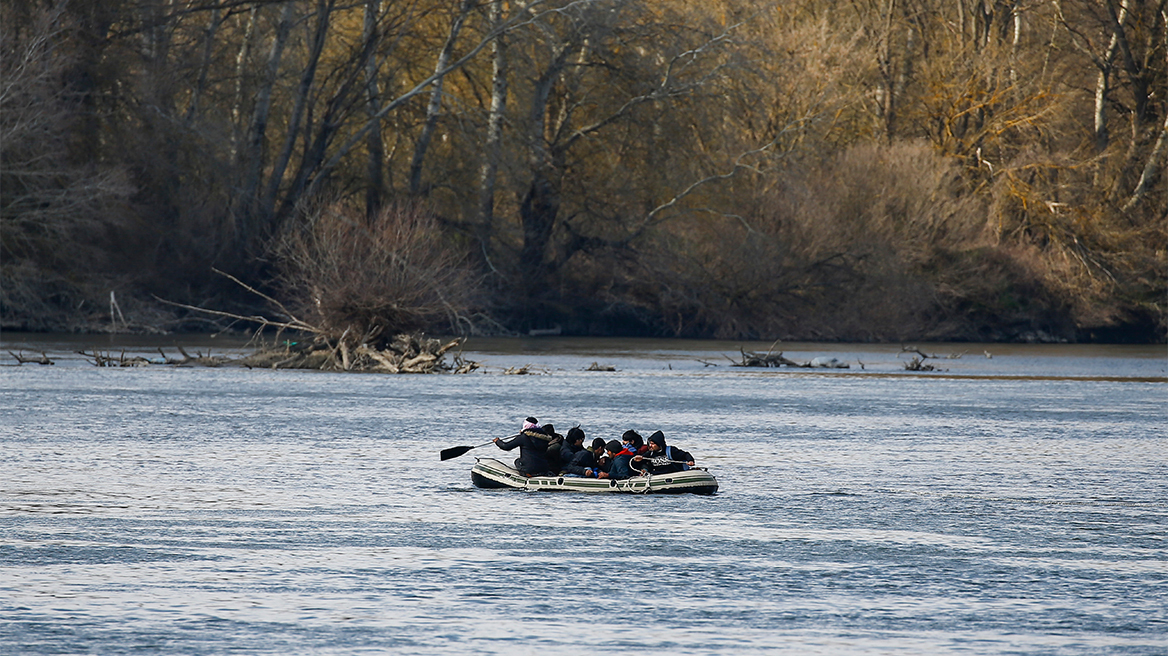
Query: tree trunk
[[494, 139], [324, 10], [1149, 172], [492, 149], [246, 204], [540, 207], [1102, 86], [541, 203], [241, 61], [205, 65], [435, 105], [374, 177], [1153, 163]]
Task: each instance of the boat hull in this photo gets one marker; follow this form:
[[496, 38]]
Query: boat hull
[[492, 474]]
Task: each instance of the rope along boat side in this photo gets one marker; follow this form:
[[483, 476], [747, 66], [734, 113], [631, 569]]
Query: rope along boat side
[[492, 474]]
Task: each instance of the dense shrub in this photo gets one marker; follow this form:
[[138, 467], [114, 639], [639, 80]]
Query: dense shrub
[[373, 277]]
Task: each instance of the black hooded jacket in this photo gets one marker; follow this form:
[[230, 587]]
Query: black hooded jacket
[[666, 452], [569, 448], [533, 446], [581, 461]]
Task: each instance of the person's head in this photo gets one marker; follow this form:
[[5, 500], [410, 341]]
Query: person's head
[[575, 435], [598, 445], [548, 429], [530, 422], [634, 438], [657, 441], [613, 447]]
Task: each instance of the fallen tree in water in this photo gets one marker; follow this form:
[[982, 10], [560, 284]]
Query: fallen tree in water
[[406, 354], [316, 347], [772, 359]]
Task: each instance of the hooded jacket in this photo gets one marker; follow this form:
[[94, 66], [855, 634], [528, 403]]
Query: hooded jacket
[[667, 452], [622, 464], [569, 448], [583, 460], [533, 445]]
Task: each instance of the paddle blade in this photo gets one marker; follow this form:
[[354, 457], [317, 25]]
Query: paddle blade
[[454, 452]]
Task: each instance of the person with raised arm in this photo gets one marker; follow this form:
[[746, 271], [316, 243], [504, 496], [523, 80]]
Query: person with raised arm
[[532, 442]]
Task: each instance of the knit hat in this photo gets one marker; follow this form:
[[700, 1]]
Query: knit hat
[[614, 447]]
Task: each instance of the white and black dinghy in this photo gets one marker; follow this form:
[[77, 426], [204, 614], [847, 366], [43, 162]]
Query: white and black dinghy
[[491, 473]]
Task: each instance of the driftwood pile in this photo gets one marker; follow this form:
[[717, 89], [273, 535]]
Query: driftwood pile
[[405, 354], [771, 359], [321, 348], [917, 363]]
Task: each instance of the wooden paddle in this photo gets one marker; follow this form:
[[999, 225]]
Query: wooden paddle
[[455, 451]]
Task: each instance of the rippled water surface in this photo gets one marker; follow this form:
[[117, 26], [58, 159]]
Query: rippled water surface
[[1013, 504]]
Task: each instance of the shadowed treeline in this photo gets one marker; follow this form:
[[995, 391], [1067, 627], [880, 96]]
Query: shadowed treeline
[[885, 170]]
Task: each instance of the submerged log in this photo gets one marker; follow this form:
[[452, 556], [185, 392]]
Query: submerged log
[[768, 359], [21, 359], [918, 363]]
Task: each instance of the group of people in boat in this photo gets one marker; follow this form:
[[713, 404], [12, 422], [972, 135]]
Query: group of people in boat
[[544, 452]]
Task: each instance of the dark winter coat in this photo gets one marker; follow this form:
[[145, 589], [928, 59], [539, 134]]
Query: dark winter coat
[[603, 462], [533, 447], [621, 465], [568, 451], [582, 460], [667, 453]]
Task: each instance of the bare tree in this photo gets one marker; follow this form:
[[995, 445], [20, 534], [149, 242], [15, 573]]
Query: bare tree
[[435, 104]]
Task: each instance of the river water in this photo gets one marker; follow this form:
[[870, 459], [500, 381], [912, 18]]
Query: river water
[[1013, 504]]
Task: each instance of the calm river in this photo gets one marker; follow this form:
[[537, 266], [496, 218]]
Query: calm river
[[1013, 504]]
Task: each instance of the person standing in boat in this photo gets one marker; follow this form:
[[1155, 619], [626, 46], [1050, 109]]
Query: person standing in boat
[[621, 456], [533, 446], [658, 449]]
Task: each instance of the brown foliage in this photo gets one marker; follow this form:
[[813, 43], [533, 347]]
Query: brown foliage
[[877, 243], [814, 168], [363, 280]]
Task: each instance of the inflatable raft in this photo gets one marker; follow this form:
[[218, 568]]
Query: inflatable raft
[[490, 473]]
